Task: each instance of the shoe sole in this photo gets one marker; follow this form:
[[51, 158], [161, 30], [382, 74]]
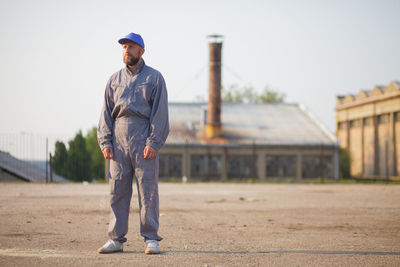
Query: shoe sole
[[149, 252], [108, 252]]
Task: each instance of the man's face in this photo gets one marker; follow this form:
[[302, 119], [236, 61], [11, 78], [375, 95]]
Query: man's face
[[132, 53]]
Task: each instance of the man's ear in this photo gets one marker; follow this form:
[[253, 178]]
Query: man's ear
[[142, 51]]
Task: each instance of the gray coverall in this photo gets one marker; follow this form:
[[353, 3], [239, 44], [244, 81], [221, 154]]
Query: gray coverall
[[135, 114]]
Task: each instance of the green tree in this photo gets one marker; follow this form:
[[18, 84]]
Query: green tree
[[271, 96], [96, 169], [60, 159], [248, 94], [232, 94], [78, 160]]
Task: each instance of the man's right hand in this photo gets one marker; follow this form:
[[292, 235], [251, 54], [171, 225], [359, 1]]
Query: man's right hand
[[108, 153]]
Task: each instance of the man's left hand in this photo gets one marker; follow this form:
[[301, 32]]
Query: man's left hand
[[149, 152]]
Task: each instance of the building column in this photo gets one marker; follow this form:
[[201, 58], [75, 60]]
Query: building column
[[376, 146], [224, 164], [262, 176], [362, 147], [395, 167], [336, 162], [299, 174], [186, 163], [393, 170], [348, 136]]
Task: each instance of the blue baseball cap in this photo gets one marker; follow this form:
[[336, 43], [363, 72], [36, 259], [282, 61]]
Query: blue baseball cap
[[136, 38]]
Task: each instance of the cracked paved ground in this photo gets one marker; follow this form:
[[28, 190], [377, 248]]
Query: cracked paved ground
[[206, 225]]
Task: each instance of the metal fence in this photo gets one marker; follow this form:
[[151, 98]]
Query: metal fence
[[27, 155]]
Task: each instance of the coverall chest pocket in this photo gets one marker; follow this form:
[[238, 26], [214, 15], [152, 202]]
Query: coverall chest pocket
[[120, 91], [143, 90]]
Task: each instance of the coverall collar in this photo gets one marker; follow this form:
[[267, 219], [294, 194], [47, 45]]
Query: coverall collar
[[139, 68]]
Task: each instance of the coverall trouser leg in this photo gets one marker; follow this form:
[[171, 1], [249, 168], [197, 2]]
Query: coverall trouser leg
[[126, 164]]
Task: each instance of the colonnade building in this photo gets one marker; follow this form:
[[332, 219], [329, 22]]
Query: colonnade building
[[368, 127]]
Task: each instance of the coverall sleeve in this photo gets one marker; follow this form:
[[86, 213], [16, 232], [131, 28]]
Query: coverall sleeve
[[159, 123], [106, 123]]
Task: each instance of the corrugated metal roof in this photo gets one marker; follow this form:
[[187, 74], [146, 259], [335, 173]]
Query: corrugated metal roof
[[242, 123], [25, 170]]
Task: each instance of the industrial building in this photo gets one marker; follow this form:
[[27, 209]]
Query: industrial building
[[258, 141], [368, 127], [234, 141]]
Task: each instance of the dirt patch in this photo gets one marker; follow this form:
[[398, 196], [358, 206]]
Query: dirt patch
[[206, 225]]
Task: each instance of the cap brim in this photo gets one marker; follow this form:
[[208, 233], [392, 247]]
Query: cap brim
[[124, 40]]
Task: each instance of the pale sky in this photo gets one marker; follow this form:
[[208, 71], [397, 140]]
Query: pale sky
[[56, 56]]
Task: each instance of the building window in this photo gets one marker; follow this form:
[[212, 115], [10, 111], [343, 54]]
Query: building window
[[397, 116], [205, 167], [171, 165], [342, 125], [384, 118], [281, 166], [355, 123], [368, 121], [242, 167], [317, 166]]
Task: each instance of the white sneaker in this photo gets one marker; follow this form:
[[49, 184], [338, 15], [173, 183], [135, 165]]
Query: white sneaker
[[111, 246], [152, 247]]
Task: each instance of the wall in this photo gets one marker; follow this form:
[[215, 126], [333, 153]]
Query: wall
[[209, 162], [369, 128]]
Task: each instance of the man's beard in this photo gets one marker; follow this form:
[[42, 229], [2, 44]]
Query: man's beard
[[131, 60]]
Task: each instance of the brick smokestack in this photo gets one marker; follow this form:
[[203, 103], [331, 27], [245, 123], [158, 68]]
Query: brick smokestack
[[213, 125]]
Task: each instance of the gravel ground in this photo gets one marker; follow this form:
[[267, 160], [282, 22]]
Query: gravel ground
[[206, 225]]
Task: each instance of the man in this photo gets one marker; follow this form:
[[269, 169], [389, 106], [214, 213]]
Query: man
[[133, 127]]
